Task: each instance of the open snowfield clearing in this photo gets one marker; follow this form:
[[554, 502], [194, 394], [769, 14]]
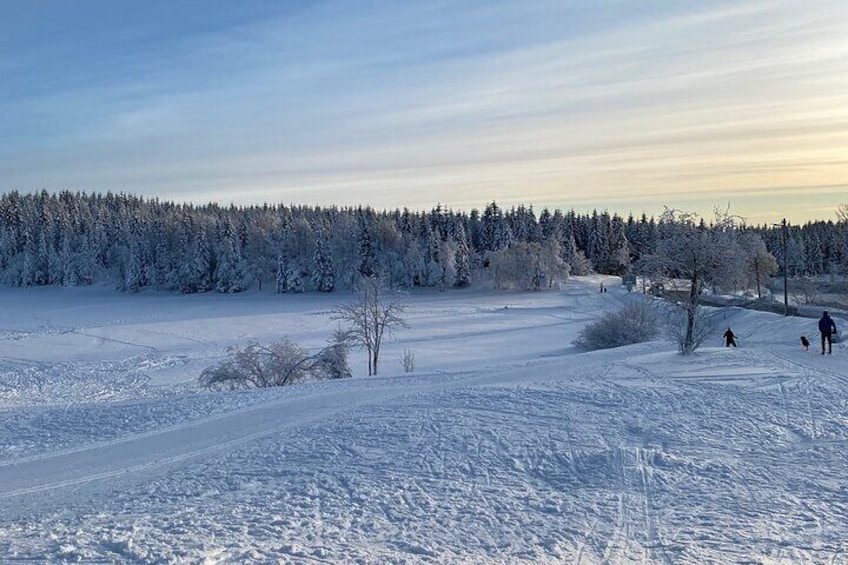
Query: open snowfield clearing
[[507, 445]]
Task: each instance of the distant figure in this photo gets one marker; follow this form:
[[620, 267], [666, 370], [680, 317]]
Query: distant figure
[[729, 338], [805, 343], [601, 288], [827, 327]]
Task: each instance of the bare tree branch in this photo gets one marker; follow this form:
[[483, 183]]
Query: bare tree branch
[[374, 315]]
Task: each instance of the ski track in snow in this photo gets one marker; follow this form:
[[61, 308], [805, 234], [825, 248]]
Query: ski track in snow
[[633, 455]]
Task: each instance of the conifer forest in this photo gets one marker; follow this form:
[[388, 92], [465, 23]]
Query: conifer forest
[[133, 243]]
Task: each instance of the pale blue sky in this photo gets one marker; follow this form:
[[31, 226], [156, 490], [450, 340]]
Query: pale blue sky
[[622, 105]]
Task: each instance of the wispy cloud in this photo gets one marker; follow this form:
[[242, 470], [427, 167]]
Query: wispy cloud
[[553, 103]]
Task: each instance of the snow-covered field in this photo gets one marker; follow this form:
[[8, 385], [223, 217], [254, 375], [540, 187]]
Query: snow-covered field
[[506, 445]]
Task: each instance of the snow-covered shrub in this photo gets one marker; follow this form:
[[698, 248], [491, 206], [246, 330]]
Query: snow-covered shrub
[[331, 362], [258, 366], [277, 364], [407, 361], [633, 323]]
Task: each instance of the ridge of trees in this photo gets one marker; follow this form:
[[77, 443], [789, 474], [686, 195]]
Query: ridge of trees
[[73, 239]]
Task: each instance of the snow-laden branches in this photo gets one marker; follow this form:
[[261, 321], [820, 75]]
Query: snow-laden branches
[[277, 364], [701, 256]]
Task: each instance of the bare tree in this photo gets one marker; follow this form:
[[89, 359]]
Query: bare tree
[[407, 361], [696, 253], [805, 290], [760, 265], [375, 314], [688, 325]]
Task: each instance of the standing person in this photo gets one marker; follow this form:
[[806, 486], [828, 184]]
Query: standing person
[[827, 327], [729, 338]]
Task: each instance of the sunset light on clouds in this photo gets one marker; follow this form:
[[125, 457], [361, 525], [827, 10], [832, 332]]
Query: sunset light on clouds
[[625, 106]]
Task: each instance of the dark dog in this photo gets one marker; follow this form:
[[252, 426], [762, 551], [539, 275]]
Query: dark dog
[[805, 343]]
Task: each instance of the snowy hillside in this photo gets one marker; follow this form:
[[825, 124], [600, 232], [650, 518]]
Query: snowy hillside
[[506, 445]]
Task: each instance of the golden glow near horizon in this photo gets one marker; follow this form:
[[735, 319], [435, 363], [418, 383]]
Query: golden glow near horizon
[[624, 107]]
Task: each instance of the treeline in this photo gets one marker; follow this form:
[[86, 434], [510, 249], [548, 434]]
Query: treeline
[[813, 249], [73, 239]]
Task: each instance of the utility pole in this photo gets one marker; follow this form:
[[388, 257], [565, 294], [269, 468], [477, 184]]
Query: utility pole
[[784, 233]]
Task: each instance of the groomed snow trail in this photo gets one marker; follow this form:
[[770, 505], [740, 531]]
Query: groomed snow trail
[[634, 455]]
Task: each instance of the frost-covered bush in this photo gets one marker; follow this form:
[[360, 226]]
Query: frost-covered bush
[[277, 364], [407, 361], [257, 366], [634, 323], [331, 362]]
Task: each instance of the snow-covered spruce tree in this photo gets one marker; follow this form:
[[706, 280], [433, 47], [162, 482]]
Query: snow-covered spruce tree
[[323, 276], [618, 258], [814, 251], [56, 266], [367, 248], [523, 225], [133, 279], [294, 280], [641, 237], [434, 260], [298, 246], [344, 249], [462, 260], [598, 245], [495, 233], [289, 276], [34, 271], [230, 272], [576, 260], [414, 263], [196, 274], [162, 270], [82, 268], [699, 255], [258, 245], [281, 275], [547, 225]]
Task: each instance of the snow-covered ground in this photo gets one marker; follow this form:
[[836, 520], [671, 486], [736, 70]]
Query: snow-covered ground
[[506, 445]]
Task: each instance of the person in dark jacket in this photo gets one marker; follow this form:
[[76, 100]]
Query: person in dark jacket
[[827, 327], [729, 338]]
